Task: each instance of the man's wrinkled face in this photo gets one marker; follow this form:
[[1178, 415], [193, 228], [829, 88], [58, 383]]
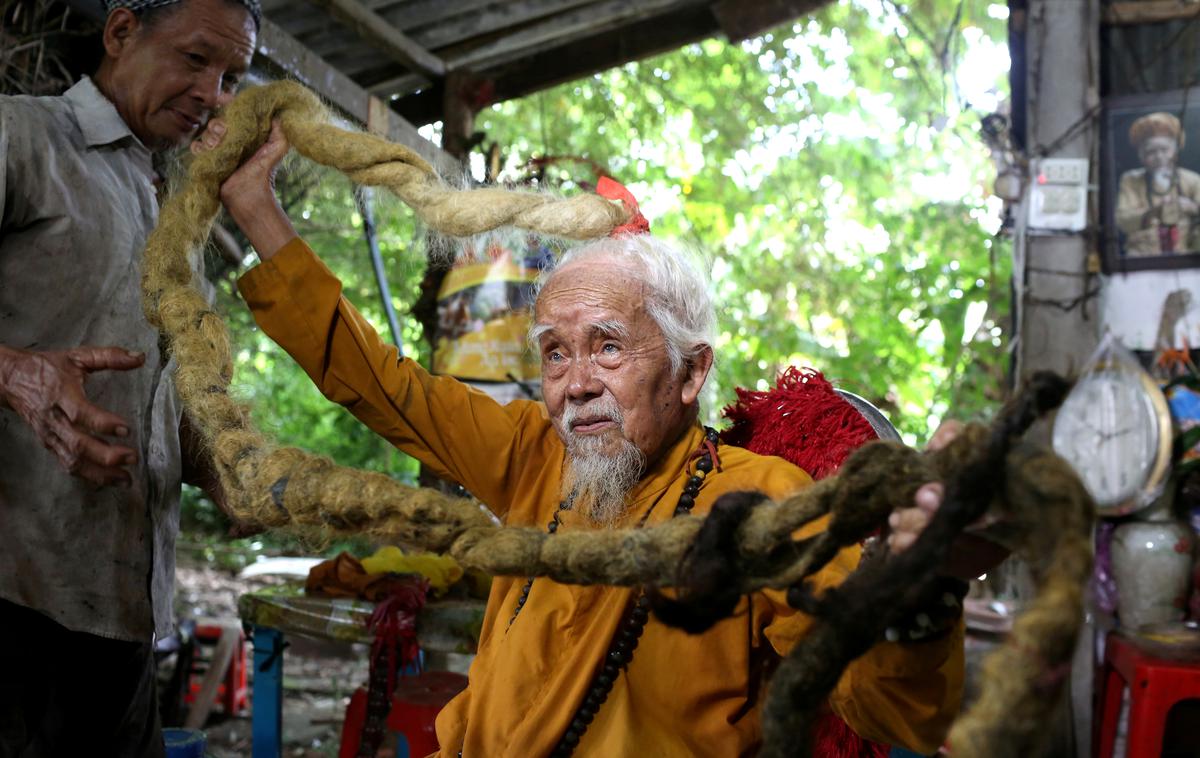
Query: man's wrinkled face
[[1158, 153], [606, 374], [168, 78]]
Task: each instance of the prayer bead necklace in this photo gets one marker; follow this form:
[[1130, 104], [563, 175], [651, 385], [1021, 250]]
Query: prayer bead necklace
[[625, 641]]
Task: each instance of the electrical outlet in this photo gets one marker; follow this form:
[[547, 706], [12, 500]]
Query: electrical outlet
[[1058, 195], [1062, 171]]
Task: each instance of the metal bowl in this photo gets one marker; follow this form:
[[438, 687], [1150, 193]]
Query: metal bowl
[[879, 422]]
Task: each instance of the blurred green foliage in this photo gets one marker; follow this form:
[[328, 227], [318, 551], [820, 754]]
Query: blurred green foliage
[[832, 173]]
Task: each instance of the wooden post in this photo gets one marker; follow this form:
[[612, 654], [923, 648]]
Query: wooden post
[[227, 644], [1055, 276], [458, 114]]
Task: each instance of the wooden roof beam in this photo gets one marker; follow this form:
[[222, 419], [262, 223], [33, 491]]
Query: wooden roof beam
[[373, 28], [284, 53], [419, 13], [1148, 12], [741, 20], [563, 28], [490, 20], [578, 58]]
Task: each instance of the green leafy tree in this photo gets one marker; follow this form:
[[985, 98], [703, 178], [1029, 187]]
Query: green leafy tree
[[832, 173]]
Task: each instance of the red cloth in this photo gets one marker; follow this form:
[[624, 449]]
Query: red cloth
[[805, 422], [801, 420], [611, 189]]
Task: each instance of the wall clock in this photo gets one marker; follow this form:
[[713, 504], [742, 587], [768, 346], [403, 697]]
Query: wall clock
[[1115, 430]]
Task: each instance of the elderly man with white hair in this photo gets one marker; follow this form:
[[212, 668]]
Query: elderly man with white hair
[[623, 327]]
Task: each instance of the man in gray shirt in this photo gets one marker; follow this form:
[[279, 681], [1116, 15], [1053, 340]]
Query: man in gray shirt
[[90, 456]]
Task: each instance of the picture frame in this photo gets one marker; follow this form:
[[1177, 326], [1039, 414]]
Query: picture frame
[[1151, 208]]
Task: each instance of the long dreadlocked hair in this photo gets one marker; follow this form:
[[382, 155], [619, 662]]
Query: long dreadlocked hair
[[744, 548]]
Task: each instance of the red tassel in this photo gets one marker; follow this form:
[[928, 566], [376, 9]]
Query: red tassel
[[801, 420], [611, 189], [805, 422], [833, 738]]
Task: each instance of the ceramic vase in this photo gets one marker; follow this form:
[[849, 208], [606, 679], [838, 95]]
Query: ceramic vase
[[1152, 563]]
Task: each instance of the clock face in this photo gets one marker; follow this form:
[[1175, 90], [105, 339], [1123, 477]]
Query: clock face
[[1108, 430]]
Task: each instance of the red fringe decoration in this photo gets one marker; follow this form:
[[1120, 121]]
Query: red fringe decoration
[[805, 422], [801, 420], [834, 738]]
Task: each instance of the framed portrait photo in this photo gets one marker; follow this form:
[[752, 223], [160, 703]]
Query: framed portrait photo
[[1151, 181]]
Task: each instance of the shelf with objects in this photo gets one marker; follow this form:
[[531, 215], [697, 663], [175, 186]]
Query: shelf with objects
[[415, 611]]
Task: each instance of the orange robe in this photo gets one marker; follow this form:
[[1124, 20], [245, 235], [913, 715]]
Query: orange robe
[[682, 695]]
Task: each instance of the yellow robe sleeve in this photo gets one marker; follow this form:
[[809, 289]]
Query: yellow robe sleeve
[[900, 694], [298, 302]]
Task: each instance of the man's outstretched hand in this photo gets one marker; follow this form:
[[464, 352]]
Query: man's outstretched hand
[[970, 554], [249, 192], [46, 389]]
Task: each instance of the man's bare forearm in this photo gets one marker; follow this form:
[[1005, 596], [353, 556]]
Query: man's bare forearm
[[264, 223], [7, 356]]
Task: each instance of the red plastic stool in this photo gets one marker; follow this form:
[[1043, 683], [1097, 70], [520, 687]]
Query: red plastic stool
[[1155, 685], [415, 707]]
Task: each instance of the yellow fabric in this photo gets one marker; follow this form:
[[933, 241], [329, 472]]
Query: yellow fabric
[[682, 695], [441, 570]]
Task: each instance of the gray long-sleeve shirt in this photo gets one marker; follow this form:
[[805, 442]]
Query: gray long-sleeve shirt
[[77, 201]]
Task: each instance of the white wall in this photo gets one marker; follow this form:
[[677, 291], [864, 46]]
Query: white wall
[[1132, 305]]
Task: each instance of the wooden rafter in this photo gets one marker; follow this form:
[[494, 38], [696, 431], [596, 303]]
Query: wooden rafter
[[563, 28], [562, 32], [418, 13], [741, 20], [284, 52], [378, 32], [1150, 12], [307, 22], [554, 65], [556, 32], [491, 20]]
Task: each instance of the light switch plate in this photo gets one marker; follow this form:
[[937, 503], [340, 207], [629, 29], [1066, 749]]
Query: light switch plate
[[1058, 194]]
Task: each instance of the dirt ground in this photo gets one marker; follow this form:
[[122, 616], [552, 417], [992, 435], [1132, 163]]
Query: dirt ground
[[318, 677]]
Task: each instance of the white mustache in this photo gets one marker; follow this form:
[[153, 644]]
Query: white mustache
[[601, 409]]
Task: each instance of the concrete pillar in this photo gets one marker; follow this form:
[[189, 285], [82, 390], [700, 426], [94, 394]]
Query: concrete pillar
[[1057, 280], [1056, 277]]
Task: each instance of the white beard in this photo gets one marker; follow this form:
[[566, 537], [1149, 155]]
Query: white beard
[[597, 478], [1161, 180]]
